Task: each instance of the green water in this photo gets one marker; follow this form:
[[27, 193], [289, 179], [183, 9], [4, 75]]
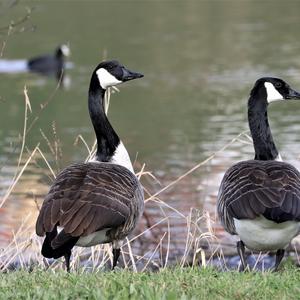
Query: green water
[[200, 60]]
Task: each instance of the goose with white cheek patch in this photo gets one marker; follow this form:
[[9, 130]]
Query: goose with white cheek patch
[[99, 201], [259, 200], [50, 64]]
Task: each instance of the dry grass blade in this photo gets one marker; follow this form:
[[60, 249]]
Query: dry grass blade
[[80, 138], [148, 229], [46, 161], [43, 106], [16, 179], [131, 256], [153, 253], [27, 106], [141, 172], [9, 30], [27, 101], [197, 166], [167, 205], [47, 142], [168, 243]]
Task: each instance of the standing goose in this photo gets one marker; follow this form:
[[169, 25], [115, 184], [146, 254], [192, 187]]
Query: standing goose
[[259, 200], [99, 201]]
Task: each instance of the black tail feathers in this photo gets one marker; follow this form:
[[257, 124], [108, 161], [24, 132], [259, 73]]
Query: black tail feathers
[[49, 252]]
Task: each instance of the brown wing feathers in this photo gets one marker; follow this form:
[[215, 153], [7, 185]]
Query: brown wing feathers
[[253, 188], [88, 197]]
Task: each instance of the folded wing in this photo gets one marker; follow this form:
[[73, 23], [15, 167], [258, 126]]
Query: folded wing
[[88, 197], [252, 188]]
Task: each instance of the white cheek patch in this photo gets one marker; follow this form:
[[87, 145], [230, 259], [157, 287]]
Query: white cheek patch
[[272, 93], [106, 79], [65, 50]]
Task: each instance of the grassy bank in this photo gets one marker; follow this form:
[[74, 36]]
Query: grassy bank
[[186, 283]]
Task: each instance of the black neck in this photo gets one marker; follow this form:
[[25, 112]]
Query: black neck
[[59, 65], [58, 53], [264, 145], [107, 139]]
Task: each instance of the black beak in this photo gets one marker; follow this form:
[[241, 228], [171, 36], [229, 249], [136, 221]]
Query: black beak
[[130, 75], [293, 94]]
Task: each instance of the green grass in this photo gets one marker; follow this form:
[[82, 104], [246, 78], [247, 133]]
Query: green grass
[[187, 283]]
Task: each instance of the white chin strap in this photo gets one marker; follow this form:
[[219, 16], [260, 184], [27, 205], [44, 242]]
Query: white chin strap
[[65, 50], [272, 93], [106, 79]]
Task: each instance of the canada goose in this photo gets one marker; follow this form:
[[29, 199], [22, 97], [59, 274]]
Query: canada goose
[[259, 200], [99, 201], [50, 64]]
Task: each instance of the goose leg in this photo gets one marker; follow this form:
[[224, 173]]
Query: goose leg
[[116, 254], [279, 257], [241, 251], [67, 258]]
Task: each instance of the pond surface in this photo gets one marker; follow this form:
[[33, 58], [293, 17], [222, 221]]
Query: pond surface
[[200, 60]]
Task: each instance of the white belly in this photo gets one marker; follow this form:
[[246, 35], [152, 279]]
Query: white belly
[[264, 235], [95, 238]]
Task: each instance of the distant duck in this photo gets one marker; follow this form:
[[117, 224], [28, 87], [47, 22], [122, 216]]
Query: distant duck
[[259, 200], [50, 65], [99, 201]]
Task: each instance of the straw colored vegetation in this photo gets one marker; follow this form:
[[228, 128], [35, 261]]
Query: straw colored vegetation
[[25, 274], [36, 278], [177, 283], [25, 247]]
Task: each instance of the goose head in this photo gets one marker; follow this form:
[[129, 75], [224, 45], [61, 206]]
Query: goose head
[[111, 73], [272, 89], [63, 51]]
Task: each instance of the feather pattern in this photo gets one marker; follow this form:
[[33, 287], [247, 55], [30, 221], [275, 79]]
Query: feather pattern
[[253, 188], [89, 197], [99, 201]]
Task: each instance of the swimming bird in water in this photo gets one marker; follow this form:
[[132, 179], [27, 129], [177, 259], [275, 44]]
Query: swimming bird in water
[[99, 201], [259, 200], [50, 65]]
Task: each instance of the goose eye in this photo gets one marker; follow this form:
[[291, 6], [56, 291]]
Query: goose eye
[[278, 85]]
